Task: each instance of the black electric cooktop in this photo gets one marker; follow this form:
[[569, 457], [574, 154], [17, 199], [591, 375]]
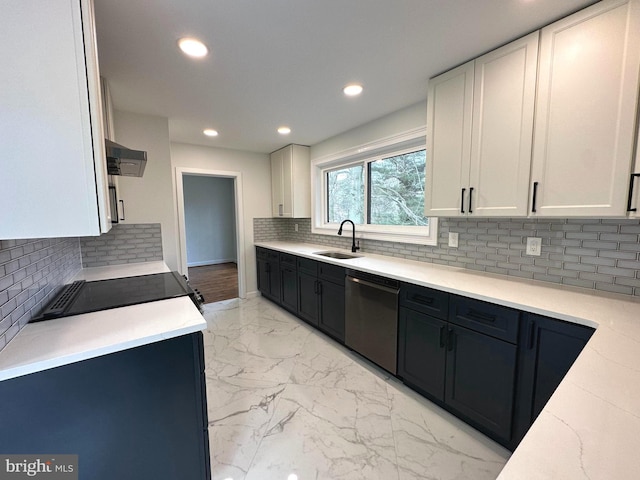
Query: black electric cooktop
[[85, 297]]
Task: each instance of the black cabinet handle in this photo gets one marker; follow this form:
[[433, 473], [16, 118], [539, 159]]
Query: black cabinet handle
[[535, 197], [532, 327], [315, 287], [319, 287], [442, 336], [422, 299], [470, 196], [480, 316], [631, 181], [462, 201], [450, 340]]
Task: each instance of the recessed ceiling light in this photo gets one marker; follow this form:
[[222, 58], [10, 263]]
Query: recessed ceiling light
[[193, 47], [284, 130], [210, 132], [352, 90]]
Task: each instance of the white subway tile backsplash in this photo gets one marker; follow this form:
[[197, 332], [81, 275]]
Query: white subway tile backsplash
[[31, 272], [125, 243], [589, 253]]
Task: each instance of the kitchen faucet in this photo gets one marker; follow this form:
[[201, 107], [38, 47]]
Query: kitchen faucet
[[354, 248]]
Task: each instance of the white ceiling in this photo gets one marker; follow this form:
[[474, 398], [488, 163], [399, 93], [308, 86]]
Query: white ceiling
[[275, 62]]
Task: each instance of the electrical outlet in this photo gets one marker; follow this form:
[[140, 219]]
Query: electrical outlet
[[534, 246], [296, 227], [453, 239]]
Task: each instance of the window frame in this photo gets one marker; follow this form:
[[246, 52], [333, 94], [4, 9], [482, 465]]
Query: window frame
[[364, 154]]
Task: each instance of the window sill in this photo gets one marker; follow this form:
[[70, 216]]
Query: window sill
[[366, 233]]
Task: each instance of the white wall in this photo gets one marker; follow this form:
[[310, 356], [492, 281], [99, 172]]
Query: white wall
[[256, 177], [150, 199], [409, 118], [210, 221]]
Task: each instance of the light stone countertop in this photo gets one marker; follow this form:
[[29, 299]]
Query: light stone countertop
[[119, 271], [590, 428], [52, 343]]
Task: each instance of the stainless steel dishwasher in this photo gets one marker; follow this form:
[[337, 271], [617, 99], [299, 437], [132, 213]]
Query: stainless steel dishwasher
[[371, 317]]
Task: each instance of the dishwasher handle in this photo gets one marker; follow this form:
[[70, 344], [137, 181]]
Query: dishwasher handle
[[373, 285]]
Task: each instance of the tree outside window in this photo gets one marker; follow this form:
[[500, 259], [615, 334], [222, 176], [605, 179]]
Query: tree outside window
[[394, 188]]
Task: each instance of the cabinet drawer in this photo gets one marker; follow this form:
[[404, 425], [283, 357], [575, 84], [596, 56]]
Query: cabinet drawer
[[288, 259], [273, 256], [261, 253], [425, 300], [333, 273], [495, 320], [307, 265]]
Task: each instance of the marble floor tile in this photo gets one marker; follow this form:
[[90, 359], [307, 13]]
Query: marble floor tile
[[433, 444], [324, 363], [239, 413], [327, 433], [285, 399]]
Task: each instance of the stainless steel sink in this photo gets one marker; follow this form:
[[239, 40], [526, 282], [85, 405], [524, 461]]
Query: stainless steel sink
[[338, 255]]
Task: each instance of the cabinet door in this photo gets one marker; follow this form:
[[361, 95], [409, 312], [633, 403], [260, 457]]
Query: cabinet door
[[287, 181], [549, 348], [421, 352], [53, 180], [449, 105], [273, 270], [480, 379], [503, 103], [308, 297], [120, 413], [288, 288], [585, 111], [263, 275], [300, 182], [277, 186], [332, 303]]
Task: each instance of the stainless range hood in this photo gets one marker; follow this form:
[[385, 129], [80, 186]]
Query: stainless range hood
[[124, 161]]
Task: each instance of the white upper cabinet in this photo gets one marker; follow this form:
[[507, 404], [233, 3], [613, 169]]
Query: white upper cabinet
[[291, 182], [449, 104], [53, 179], [586, 112], [501, 138], [479, 134]]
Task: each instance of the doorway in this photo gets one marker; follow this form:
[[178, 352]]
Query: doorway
[[211, 231]]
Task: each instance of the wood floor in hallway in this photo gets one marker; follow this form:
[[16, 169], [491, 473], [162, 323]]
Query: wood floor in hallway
[[215, 282]]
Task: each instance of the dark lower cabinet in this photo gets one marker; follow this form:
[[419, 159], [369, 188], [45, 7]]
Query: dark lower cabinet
[[421, 352], [288, 283], [480, 379], [268, 266], [464, 369], [136, 414], [548, 349], [308, 297], [331, 316], [321, 296]]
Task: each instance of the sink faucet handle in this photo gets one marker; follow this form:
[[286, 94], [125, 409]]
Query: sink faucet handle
[[356, 246]]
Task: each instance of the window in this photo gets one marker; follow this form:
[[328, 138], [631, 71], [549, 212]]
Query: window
[[396, 190], [382, 191], [345, 194]]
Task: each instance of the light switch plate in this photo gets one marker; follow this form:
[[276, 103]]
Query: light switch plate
[[534, 246], [296, 225], [453, 239]]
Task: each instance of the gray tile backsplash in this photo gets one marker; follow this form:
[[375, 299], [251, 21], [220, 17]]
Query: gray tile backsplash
[[125, 243], [591, 253], [31, 273]]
